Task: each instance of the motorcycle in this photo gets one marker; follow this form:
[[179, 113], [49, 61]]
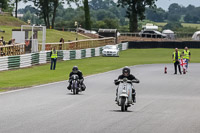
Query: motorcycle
[[75, 84], [124, 93]]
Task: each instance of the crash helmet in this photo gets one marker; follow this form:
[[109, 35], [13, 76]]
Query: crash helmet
[[126, 71], [75, 69]]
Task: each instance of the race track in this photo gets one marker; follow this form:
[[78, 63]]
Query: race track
[[166, 103]]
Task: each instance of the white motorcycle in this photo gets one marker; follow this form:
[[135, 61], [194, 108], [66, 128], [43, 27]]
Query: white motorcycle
[[124, 93]]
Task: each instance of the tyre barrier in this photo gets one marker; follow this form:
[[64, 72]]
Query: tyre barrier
[[27, 60]]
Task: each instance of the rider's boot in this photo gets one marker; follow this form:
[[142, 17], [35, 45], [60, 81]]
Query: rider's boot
[[134, 96], [83, 87], [69, 87]]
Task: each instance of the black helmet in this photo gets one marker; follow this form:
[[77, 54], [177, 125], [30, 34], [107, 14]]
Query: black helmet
[[75, 69], [126, 71]]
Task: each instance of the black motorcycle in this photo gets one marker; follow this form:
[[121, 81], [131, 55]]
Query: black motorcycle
[[75, 86]]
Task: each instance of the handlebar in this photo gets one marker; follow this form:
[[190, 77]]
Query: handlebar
[[128, 81]]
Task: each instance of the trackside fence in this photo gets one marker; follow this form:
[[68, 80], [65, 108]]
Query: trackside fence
[[27, 60]]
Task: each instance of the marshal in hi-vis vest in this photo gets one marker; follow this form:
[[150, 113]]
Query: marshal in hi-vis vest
[[54, 54], [186, 54], [179, 56]]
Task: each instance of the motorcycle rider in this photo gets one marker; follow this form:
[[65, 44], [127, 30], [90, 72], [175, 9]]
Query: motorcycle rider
[[75, 70], [126, 74]]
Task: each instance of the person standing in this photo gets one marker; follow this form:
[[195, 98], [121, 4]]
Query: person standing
[[176, 56], [187, 56], [3, 42], [54, 55]]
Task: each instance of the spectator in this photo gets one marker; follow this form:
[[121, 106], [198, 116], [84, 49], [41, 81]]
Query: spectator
[[11, 42], [3, 42], [62, 40]]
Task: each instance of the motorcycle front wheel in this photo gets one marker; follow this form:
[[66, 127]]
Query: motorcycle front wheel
[[123, 106]]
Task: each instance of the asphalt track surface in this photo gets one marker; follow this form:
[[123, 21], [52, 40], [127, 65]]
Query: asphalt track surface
[[166, 103]]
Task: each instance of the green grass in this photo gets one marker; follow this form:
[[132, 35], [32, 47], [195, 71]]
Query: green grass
[[51, 34], [184, 25], [10, 21], [41, 74]]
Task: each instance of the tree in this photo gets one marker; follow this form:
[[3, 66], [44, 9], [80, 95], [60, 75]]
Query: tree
[[33, 10], [174, 17], [175, 9], [155, 14], [87, 15], [135, 10], [101, 4], [4, 4], [173, 26], [16, 5], [48, 9]]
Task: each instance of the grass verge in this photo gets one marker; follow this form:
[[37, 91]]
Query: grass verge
[[41, 74], [51, 34]]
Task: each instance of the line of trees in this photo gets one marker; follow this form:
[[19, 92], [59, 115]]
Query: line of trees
[[103, 13], [47, 8]]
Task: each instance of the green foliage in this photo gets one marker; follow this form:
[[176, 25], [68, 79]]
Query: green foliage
[[124, 28], [135, 11], [87, 15], [156, 14], [101, 4], [5, 6], [51, 35], [173, 26], [174, 18], [99, 24], [188, 30]]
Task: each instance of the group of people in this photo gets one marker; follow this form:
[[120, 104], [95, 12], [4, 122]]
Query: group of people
[[3, 42], [177, 56]]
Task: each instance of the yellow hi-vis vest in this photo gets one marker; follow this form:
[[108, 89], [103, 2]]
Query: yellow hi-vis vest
[[186, 54], [54, 54], [179, 56]]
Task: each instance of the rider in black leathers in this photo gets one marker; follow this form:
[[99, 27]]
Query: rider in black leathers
[[80, 75], [126, 74]]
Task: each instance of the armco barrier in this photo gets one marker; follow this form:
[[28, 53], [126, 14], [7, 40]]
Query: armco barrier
[[27, 60], [164, 44]]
